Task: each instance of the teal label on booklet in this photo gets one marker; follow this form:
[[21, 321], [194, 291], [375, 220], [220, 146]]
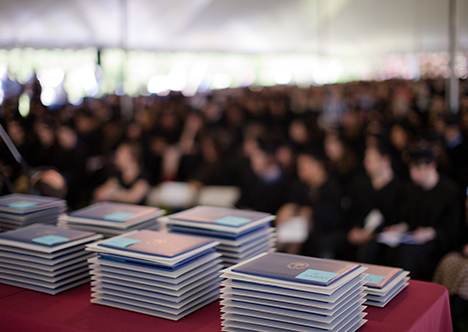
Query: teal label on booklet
[[316, 275], [119, 216], [232, 221], [50, 239], [374, 279], [22, 205], [121, 242]]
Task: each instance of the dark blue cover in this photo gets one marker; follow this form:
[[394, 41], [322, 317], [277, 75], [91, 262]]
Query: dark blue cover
[[167, 245], [386, 274], [27, 234], [217, 234], [301, 269], [144, 263], [23, 204], [99, 211], [219, 216]]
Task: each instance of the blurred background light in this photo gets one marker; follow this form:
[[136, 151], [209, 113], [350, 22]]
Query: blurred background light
[[74, 74], [50, 78], [24, 105], [221, 81], [282, 76], [176, 80], [48, 97], [158, 84]]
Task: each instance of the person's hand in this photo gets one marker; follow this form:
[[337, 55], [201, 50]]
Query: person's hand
[[100, 194], [104, 193], [402, 227], [424, 234], [359, 236]]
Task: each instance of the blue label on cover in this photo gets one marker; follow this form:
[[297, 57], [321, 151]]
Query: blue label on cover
[[374, 279], [119, 216], [316, 275], [232, 221], [50, 239], [22, 205], [120, 242]]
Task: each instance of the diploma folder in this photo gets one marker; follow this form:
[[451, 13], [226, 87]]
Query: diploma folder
[[277, 291], [384, 283], [242, 234], [31, 234], [379, 276], [219, 219], [115, 215], [45, 238], [309, 270], [155, 273], [45, 258], [19, 210], [159, 244], [21, 204]]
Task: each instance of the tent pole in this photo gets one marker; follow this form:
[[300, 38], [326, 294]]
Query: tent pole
[[126, 107], [454, 95]]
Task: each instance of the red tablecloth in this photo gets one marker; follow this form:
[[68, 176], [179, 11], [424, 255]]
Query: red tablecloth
[[422, 306]]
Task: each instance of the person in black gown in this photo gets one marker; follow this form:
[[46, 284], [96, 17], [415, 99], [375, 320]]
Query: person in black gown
[[432, 214], [130, 184], [316, 197], [374, 201]]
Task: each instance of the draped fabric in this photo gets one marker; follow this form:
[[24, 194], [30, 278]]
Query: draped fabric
[[421, 307], [332, 27]]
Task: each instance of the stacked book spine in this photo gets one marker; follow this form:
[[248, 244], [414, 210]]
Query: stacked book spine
[[241, 234], [45, 258], [160, 274], [111, 219], [275, 292], [19, 210]]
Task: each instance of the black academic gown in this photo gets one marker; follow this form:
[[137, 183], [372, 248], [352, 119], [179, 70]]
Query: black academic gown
[[440, 208]]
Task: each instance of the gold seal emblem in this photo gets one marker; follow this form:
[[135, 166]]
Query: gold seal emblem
[[298, 265], [156, 242]]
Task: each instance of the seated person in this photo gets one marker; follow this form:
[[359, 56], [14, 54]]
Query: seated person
[[456, 147], [71, 157], [130, 184], [432, 214], [316, 197], [373, 202], [263, 183], [343, 163]]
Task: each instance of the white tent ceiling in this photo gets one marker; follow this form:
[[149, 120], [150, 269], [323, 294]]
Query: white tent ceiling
[[329, 27]]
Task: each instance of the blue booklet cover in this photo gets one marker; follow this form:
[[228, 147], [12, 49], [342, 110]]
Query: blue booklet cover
[[217, 234], [46, 235], [22, 203], [219, 216], [379, 276], [114, 212], [301, 269], [156, 243], [146, 263]]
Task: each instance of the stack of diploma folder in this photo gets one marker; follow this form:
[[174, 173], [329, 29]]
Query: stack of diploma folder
[[282, 292], [45, 258], [160, 274], [241, 234], [111, 219], [384, 283], [19, 210]]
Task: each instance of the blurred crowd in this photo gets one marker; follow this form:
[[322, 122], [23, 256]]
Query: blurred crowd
[[359, 162]]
